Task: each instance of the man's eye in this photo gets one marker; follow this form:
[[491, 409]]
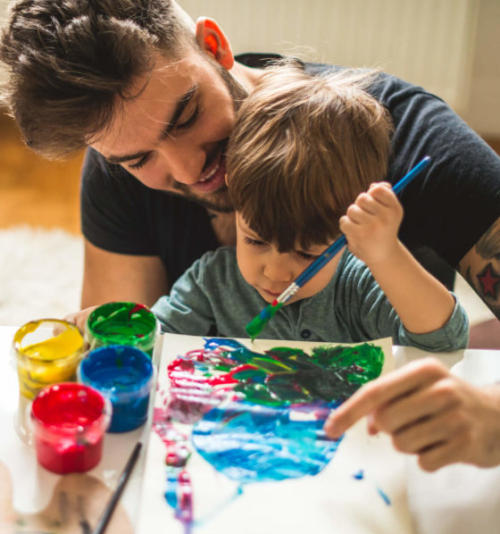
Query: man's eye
[[190, 121], [140, 163], [255, 242]]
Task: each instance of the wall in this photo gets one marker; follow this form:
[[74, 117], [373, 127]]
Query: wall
[[483, 107], [451, 47], [427, 42]]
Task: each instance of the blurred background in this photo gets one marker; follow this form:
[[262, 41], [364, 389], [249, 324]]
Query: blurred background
[[450, 47]]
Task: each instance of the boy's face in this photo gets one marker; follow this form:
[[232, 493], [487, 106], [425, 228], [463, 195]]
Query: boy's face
[[271, 272]]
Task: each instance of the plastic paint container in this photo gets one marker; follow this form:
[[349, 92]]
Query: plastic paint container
[[122, 323], [69, 421], [47, 351], [125, 376]]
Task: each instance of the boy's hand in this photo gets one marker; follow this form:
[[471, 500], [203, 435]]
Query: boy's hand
[[371, 224], [79, 318]]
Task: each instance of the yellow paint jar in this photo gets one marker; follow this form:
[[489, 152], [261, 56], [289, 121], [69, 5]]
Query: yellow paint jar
[[48, 352]]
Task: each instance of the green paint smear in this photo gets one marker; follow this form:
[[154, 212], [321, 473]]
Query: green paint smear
[[286, 376]]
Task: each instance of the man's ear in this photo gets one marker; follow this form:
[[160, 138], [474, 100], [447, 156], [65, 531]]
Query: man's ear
[[212, 39]]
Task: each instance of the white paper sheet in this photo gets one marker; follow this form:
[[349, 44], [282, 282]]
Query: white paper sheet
[[331, 501], [459, 498]]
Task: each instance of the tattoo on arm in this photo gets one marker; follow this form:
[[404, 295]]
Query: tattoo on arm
[[489, 286], [486, 281]]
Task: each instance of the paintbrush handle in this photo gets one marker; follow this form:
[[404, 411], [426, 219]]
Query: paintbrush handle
[[335, 247], [320, 262], [399, 186], [115, 497]]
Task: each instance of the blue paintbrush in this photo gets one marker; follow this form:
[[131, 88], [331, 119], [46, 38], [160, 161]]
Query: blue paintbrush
[[255, 326]]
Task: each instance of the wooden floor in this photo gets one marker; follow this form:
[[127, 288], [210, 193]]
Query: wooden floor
[[35, 191], [43, 193]]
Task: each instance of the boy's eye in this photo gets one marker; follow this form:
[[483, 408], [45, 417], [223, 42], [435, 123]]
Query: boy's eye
[[255, 242], [306, 256]]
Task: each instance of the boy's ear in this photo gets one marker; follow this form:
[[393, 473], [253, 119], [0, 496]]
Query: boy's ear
[[212, 39]]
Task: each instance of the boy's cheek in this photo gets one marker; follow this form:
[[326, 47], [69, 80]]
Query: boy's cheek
[[245, 263]]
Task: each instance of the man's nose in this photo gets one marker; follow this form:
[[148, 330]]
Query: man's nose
[[183, 165]]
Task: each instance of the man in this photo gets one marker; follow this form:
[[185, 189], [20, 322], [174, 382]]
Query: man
[[153, 95]]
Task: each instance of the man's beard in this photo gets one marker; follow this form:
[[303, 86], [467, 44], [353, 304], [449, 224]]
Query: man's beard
[[218, 200]]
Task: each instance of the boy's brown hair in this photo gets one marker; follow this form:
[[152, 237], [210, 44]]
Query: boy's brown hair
[[303, 148]]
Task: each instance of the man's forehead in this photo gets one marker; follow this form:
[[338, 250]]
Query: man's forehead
[[165, 84], [143, 118]]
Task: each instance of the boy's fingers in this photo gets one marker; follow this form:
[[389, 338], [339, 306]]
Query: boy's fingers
[[380, 184], [381, 391], [368, 203], [384, 194]]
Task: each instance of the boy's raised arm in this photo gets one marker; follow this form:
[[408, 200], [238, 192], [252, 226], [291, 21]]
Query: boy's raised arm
[[371, 225]]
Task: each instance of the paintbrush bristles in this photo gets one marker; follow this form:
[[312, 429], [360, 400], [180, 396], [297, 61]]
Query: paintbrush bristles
[[257, 324]]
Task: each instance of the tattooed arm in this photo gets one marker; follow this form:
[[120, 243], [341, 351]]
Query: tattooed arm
[[481, 268]]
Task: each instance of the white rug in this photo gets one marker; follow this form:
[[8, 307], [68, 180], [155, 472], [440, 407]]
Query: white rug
[[40, 274]]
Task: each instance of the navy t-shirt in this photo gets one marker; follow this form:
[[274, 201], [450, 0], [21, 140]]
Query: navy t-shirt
[[447, 208]]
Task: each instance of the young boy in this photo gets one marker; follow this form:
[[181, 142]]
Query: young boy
[[303, 151]]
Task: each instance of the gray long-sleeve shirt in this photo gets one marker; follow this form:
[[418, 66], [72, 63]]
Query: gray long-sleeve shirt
[[212, 298]]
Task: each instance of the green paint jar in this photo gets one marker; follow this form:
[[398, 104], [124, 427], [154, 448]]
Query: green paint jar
[[122, 323]]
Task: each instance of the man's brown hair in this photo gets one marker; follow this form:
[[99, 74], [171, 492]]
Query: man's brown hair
[[72, 62], [303, 148]]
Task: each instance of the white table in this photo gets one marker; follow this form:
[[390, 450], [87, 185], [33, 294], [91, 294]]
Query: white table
[[457, 499], [32, 485]]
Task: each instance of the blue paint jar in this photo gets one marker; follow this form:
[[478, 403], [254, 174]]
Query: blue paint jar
[[124, 375]]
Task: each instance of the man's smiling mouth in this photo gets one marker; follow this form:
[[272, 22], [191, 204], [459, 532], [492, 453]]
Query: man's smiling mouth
[[213, 178]]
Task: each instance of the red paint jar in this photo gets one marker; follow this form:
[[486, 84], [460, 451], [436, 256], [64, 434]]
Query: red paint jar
[[69, 421]]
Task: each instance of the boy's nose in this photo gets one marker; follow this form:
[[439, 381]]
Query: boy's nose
[[278, 271]]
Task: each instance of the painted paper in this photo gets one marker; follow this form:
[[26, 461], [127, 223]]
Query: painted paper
[[233, 420]]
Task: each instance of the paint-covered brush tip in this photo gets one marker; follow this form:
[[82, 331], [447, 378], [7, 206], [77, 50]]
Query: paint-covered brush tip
[[257, 324]]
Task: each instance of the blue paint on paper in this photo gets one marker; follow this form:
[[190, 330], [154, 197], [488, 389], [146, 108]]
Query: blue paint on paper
[[218, 509], [252, 443], [360, 475], [384, 496], [171, 491]]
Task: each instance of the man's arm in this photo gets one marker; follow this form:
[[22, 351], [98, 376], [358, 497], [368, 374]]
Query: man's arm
[[109, 276], [481, 267]]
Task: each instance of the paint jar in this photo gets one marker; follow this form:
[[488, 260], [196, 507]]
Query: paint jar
[[47, 352], [122, 323], [69, 421], [125, 376]]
